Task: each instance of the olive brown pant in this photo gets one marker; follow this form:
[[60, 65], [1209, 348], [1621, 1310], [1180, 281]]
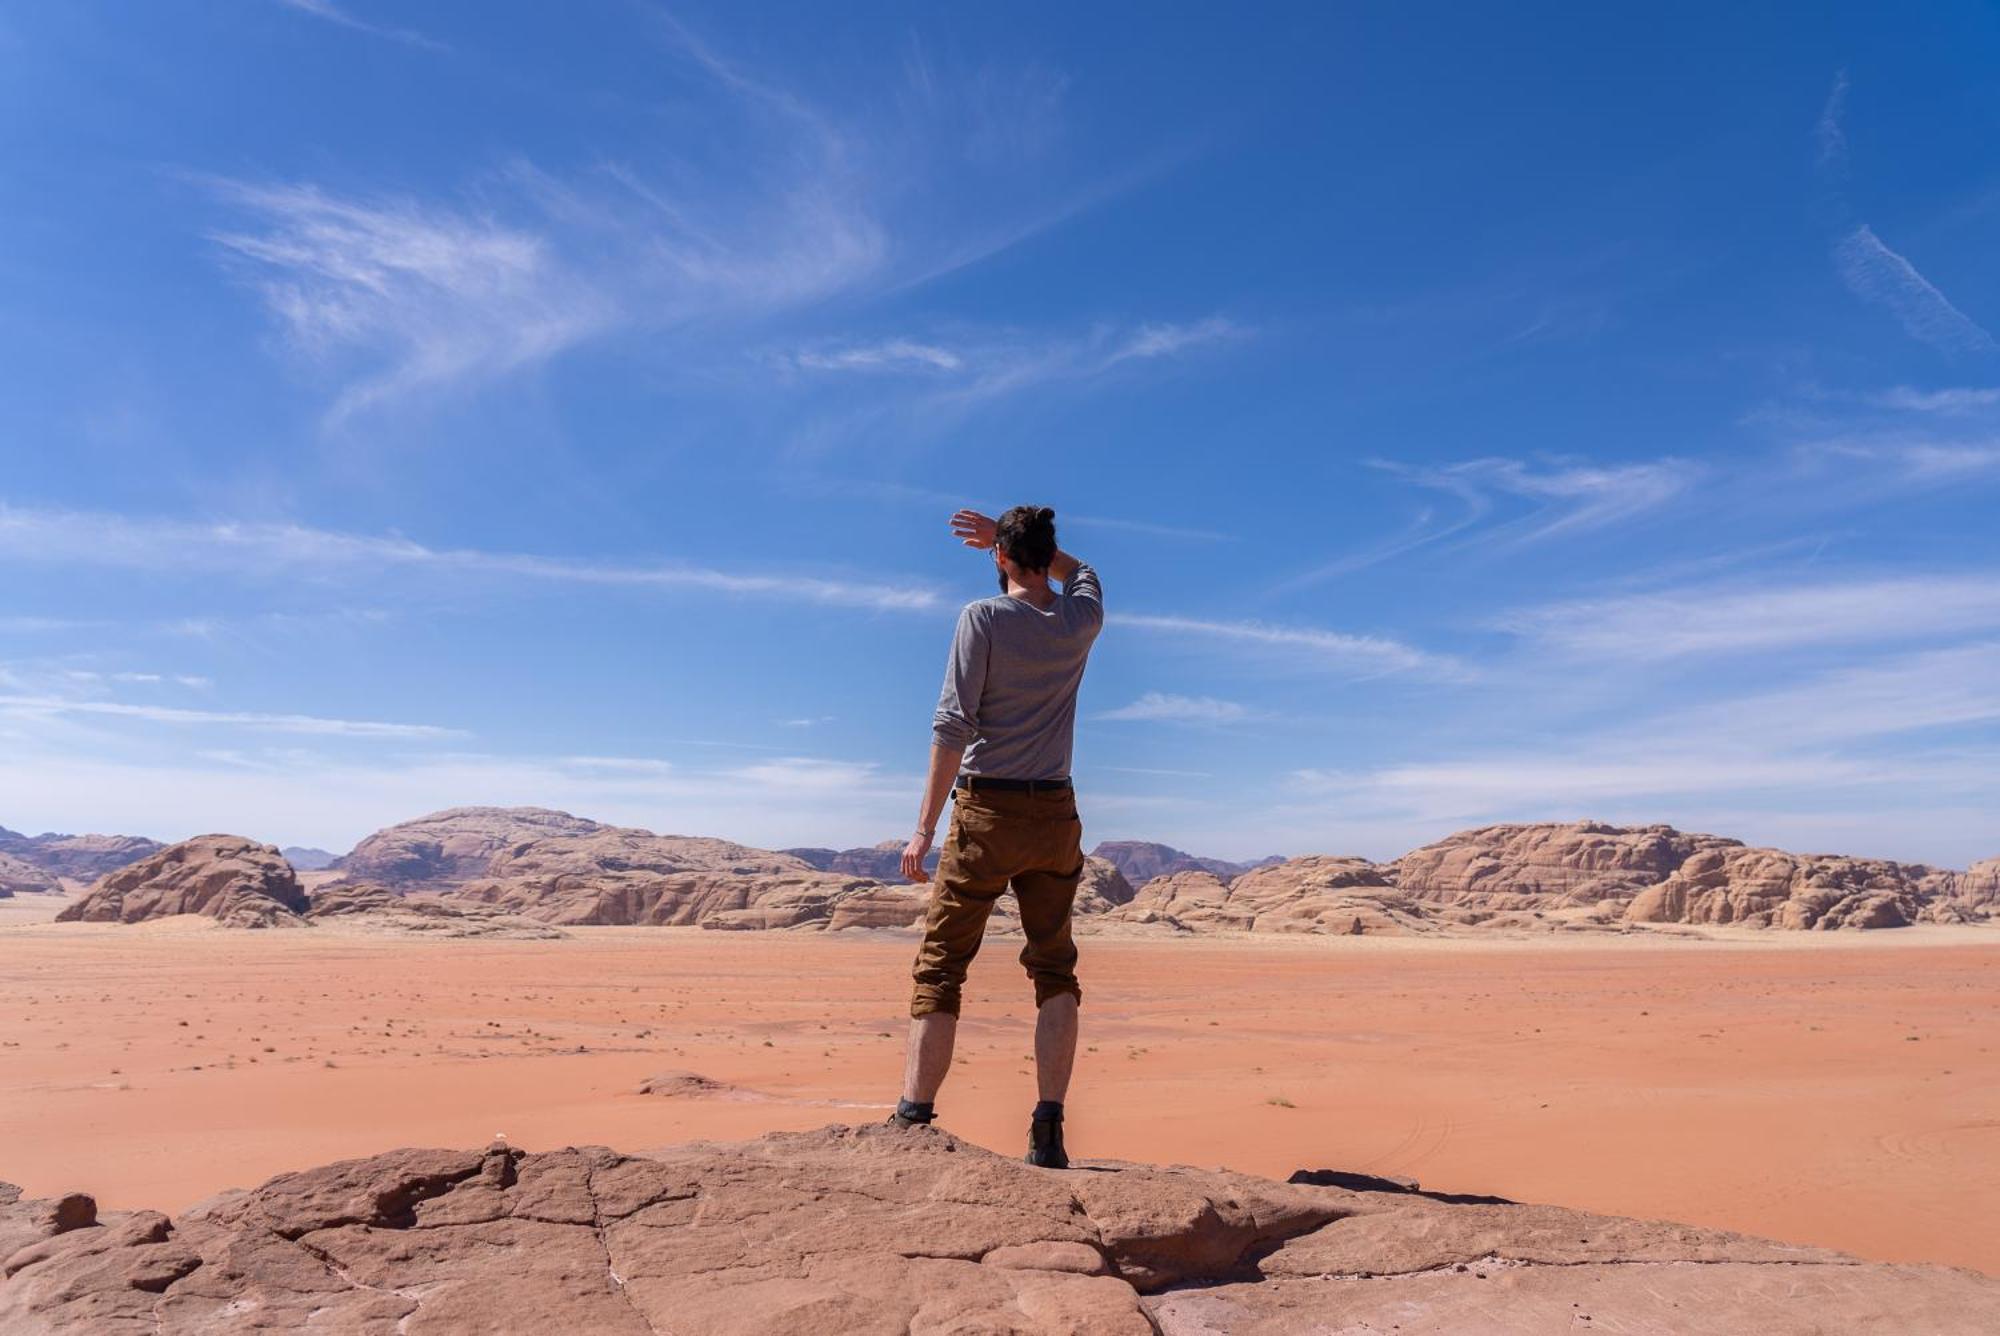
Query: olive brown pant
[[1031, 841]]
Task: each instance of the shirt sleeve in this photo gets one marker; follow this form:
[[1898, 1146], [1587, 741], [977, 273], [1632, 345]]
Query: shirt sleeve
[[1084, 591], [956, 722]]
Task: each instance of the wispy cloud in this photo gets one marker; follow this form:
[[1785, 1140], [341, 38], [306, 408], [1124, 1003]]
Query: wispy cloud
[[1569, 497], [1827, 131], [812, 776], [1574, 495], [1880, 276], [1918, 462], [982, 366], [889, 355], [618, 765], [274, 723], [1813, 743], [1166, 340], [1360, 655], [784, 204], [1952, 688], [1165, 707], [333, 13], [947, 502], [426, 296], [1950, 402], [334, 796], [137, 678], [258, 550], [1734, 620]]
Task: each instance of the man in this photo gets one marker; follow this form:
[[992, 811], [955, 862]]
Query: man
[[1000, 745]]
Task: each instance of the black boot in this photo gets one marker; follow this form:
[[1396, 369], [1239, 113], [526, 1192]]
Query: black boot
[[1045, 1138], [911, 1114]]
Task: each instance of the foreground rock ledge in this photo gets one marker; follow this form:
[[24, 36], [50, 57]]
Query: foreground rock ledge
[[873, 1230]]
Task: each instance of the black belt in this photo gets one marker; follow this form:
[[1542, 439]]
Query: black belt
[[988, 784]]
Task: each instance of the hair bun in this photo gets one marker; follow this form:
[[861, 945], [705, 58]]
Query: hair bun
[[1045, 515]]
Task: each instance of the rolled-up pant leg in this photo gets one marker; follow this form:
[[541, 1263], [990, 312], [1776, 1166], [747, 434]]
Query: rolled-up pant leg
[[968, 881], [1046, 889], [1050, 955]]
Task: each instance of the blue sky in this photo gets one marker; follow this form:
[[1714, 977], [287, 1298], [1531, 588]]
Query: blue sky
[[1576, 411]]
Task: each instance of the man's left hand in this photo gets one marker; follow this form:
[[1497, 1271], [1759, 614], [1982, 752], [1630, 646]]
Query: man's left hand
[[914, 854]]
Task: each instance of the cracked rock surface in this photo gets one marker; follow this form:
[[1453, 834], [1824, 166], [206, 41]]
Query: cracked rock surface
[[870, 1229]]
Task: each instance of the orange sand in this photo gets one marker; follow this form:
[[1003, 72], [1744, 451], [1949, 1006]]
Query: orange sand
[[1841, 1092]]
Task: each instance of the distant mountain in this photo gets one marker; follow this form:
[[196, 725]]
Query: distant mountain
[[18, 874], [1530, 878], [308, 859], [883, 862], [1141, 861], [84, 857]]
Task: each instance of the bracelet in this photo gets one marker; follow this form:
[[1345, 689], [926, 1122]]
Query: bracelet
[[930, 834]]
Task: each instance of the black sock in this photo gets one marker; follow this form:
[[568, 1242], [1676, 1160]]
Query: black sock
[[911, 1111], [1047, 1109]]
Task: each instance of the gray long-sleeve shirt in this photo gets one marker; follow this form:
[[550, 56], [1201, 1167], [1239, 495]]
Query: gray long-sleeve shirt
[[1009, 698]]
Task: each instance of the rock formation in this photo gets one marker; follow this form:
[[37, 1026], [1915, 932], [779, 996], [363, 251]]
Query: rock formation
[[233, 880], [1978, 891], [308, 859], [1768, 888], [871, 1229], [1656, 874], [614, 875], [82, 857], [371, 908], [1315, 894], [18, 875], [1184, 900], [448, 847], [1546, 865], [1140, 861], [554, 868]]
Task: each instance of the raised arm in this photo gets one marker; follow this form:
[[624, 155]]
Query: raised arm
[[977, 531]]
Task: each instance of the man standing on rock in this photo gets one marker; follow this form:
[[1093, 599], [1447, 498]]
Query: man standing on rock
[[1000, 745]]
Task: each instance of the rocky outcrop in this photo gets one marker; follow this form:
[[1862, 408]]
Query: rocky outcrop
[[874, 1229], [1323, 895], [1547, 866], [448, 847], [714, 899], [1587, 874], [1184, 900], [79, 857], [1316, 894], [1103, 887], [236, 881], [1140, 861], [1769, 888], [377, 909], [1975, 897], [306, 858], [18, 875]]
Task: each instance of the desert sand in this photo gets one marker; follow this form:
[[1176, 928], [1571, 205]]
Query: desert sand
[[1835, 1091]]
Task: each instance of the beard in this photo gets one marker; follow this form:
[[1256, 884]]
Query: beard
[[1003, 578]]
